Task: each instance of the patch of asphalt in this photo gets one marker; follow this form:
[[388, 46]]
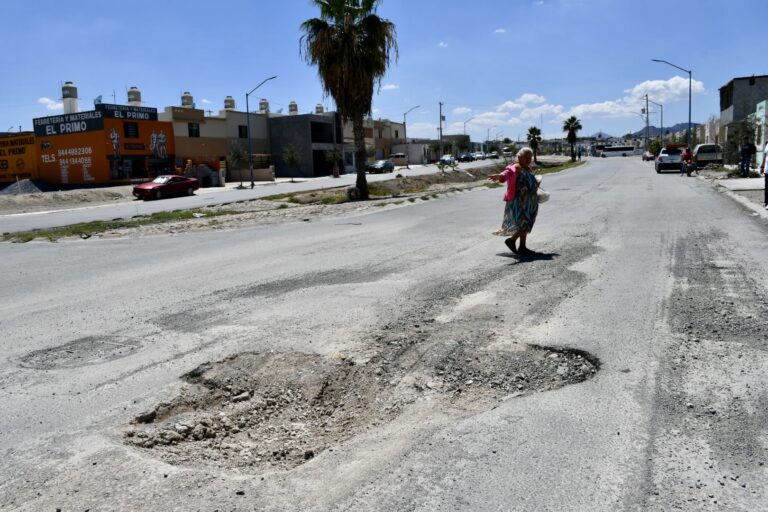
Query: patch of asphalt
[[445, 344], [712, 405], [81, 352]]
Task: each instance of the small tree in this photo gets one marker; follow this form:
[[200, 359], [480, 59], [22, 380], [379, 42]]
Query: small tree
[[292, 156], [572, 125], [534, 137], [237, 157], [655, 146], [333, 157]]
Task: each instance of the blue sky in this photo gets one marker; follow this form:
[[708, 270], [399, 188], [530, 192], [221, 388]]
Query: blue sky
[[507, 64]]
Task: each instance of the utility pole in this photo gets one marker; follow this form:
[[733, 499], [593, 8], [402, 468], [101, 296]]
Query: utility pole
[[441, 128], [647, 125]]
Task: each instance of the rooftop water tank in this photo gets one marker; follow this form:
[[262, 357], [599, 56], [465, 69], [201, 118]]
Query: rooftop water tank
[[134, 96], [229, 103], [319, 109], [187, 101], [264, 106], [69, 97], [293, 108]]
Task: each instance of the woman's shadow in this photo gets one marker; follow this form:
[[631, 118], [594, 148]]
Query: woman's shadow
[[530, 256]]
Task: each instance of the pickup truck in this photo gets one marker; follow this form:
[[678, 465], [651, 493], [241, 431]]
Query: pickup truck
[[704, 154], [669, 158]]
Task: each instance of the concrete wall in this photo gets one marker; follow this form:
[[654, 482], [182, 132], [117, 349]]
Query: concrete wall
[[286, 131], [745, 98]]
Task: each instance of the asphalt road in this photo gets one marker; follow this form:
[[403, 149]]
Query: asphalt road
[[13, 223], [659, 277]]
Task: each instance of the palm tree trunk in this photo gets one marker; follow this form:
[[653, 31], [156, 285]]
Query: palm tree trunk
[[573, 154], [361, 156]]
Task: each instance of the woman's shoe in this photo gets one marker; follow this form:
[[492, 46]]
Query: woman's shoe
[[511, 244]]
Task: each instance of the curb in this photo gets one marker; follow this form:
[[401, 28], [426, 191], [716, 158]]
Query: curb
[[743, 201]]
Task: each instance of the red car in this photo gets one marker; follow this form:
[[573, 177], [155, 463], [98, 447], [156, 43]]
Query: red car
[[164, 186]]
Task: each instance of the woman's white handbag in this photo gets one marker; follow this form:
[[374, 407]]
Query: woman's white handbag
[[541, 194]]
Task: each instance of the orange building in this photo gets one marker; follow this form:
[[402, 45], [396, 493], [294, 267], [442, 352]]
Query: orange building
[[18, 159], [110, 144]]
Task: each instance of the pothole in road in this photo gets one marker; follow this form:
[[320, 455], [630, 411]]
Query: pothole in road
[[81, 352], [278, 410]]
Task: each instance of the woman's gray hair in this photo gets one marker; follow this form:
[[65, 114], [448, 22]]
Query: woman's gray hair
[[524, 151]]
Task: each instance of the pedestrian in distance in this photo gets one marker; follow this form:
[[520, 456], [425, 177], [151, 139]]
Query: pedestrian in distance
[[522, 203], [762, 172], [747, 150]]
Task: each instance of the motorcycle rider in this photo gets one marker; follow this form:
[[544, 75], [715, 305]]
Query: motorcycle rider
[[686, 160]]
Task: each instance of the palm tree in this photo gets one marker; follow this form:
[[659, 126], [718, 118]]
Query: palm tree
[[352, 48], [534, 136], [572, 126]]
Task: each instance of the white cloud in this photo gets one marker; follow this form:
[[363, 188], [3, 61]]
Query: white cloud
[[538, 2], [521, 102], [375, 111], [389, 87], [500, 31], [660, 91], [442, 44], [206, 102], [50, 104], [676, 88], [460, 111]]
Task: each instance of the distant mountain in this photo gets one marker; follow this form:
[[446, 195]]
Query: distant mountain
[[601, 135], [655, 132]]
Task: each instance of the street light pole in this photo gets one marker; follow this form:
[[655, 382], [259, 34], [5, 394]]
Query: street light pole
[[248, 123], [405, 135], [690, 142], [465, 124]]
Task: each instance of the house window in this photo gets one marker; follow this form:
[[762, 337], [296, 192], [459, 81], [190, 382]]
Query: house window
[[397, 134], [194, 129], [381, 133], [242, 131], [131, 130]]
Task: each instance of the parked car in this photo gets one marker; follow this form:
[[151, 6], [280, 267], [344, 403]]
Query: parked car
[[165, 186], [447, 160], [381, 166], [493, 154], [704, 154], [648, 156], [479, 155], [668, 159], [466, 157]]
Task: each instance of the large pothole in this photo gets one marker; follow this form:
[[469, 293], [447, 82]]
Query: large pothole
[[279, 410]]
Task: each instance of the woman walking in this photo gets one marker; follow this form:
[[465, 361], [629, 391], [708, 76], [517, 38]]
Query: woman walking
[[522, 201]]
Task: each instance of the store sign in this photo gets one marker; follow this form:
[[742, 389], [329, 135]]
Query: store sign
[[92, 120], [68, 123], [127, 112]]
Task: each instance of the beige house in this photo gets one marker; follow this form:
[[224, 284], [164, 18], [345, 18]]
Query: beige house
[[206, 139]]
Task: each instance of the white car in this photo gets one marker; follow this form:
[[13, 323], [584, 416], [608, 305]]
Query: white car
[[447, 160], [668, 159]]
